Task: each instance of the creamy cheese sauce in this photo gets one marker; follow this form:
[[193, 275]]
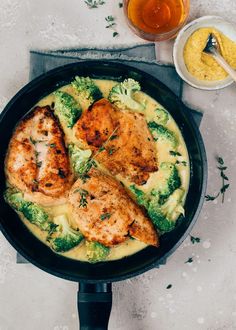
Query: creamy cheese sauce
[[131, 246]]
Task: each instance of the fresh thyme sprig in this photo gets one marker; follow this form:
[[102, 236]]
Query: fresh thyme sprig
[[111, 24], [94, 3], [222, 168], [91, 162]]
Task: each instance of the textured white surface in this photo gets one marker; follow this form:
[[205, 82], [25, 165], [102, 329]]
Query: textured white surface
[[203, 294]]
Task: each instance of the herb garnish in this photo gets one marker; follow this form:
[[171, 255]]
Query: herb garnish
[[83, 194], [169, 286], [105, 216], [111, 150], [120, 4], [111, 21], [222, 168], [195, 239], [32, 140], [174, 153], [111, 24], [61, 173], [39, 164], [113, 137], [184, 163], [91, 162], [189, 261], [94, 3]]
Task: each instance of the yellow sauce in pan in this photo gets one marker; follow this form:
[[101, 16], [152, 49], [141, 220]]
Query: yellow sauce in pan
[[130, 246]]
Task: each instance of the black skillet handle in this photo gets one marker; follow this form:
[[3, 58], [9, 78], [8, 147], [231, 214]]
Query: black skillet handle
[[94, 305]]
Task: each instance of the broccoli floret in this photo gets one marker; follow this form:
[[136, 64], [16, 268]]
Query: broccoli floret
[[169, 181], [122, 95], [162, 116], [163, 216], [174, 205], [15, 199], [66, 108], [140, 196], [160, 132], [65, 238], [96, 252], [158, 218], [87, 89], [31, 211], [79, 158]]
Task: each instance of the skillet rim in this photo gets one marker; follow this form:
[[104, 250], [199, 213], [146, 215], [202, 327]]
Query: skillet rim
[[33, 84]]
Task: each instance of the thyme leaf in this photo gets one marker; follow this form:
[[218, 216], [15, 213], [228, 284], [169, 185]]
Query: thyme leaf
[[105, 216], [94, 3], [195, 239], [222, 168]]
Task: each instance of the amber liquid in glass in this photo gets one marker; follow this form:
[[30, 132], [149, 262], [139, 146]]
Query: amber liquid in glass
[[156, 16]]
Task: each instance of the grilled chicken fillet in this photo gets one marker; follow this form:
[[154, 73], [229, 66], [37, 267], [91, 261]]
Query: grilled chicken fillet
[[103, 212], [129, 149], [37, 162]]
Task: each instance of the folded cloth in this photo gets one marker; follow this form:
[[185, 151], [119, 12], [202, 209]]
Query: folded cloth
[[141, 56]]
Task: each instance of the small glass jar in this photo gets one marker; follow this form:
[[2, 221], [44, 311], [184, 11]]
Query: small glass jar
[[156, 20]]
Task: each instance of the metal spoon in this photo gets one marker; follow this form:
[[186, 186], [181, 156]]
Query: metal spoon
[[212, 48]]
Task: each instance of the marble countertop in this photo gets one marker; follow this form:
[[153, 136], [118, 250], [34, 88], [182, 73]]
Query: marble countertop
[[203, 293]]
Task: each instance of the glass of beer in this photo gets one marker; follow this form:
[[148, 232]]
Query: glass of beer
[[156, 20]]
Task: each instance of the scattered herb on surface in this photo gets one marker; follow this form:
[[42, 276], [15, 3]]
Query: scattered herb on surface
[[189, 261], [110, 21], [111, 24], [174, 153], [94, 3], [195, 239], [169, 286], [222, 168], [120, 5], [105, 216], [101, 149]]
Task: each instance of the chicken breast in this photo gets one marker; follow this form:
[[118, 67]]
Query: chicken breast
[[37, 162], [103, 211], [125, 144]]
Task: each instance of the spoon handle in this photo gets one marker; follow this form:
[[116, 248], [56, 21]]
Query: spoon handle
[[222, 62]]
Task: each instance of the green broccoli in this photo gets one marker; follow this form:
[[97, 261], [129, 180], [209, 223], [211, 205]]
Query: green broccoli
[[96, 252], [66, 108], [31, 211], [65, 238], [162, 133], [79, 158], [122, 95], [87, 89], [163, 216], [174, 204], [162, 116], [140, 196], [168, 183], [158, 218]]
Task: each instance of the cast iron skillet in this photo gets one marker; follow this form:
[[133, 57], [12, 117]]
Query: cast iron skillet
[[94, 297]]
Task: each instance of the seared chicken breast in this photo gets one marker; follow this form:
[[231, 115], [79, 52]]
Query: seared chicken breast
[[125, 144], [37, 162], [103, 211]]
